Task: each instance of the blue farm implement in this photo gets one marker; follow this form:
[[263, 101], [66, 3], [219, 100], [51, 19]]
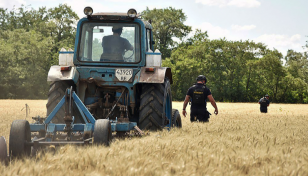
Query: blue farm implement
[[26, 139]]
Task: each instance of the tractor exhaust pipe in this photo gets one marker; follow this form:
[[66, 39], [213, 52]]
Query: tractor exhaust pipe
[[3, 151]]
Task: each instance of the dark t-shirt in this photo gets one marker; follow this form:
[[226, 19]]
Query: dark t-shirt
[[115, 45], [264, 105], [206, 92]]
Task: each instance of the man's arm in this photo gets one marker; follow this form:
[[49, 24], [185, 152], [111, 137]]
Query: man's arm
[[185, 105], [211, 98], [131, 47], [127, 45]]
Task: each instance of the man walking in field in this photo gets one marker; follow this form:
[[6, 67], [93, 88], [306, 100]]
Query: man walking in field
[[264, 103], [198, 93]]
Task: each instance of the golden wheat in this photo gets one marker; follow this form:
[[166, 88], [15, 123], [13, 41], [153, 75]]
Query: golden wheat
[[238, 141]]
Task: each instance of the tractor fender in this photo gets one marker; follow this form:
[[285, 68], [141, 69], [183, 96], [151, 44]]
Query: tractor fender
[[157, 75], [55, 74]]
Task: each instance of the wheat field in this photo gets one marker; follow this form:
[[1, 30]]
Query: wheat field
[[238, 141]]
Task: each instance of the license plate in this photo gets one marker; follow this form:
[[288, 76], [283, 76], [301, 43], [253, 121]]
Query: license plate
[[124, 74]]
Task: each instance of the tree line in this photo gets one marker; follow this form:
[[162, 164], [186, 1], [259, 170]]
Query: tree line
[[29, 44], [237, 71]]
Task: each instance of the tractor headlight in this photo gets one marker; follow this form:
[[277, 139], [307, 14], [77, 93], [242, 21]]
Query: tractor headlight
[[88, 11], [132, 13]]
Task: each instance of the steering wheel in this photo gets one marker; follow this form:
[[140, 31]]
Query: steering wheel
[[127, 59]]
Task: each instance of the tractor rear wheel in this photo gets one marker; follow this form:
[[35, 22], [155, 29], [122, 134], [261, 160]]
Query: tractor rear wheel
[[102, 132], [155, 106], [176, 119], [20, 134], [56, 92]]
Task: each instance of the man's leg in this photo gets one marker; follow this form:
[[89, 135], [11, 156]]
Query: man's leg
[[265, 110], [193, 115]]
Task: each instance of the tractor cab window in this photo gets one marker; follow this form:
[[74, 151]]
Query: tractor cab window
[[148, 45], [149, 41], [109, 42]]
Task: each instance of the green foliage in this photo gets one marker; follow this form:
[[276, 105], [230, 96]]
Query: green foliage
[[297, 64], [167, 24], [237, 71], [30, 41], [63, 21], [23, 61]]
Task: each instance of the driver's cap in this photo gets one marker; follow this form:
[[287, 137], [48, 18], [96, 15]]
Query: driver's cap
[[117, 28]]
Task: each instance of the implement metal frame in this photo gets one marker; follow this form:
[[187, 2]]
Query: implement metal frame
[[55, 133]]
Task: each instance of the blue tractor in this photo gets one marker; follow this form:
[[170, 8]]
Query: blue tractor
[[110, 84]]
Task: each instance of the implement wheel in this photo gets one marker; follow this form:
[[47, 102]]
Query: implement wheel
[[20, 134], [176, 119], [3, 151], [155, 106], [102, 132]]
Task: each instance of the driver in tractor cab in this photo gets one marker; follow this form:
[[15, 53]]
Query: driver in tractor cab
[[115, 46]]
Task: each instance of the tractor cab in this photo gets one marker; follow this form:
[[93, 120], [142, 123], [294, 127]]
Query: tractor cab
[[113, 39], [109, 42]]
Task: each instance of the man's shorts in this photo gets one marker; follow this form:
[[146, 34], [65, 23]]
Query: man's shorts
[[200, 114]]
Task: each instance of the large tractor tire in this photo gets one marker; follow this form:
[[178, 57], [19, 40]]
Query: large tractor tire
[[102, 132], [176, 119], [20, 134], [155, 106], [55, 94]]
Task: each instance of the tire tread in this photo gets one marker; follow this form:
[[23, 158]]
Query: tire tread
[[151, 110]]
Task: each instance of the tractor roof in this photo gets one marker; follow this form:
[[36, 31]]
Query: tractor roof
[[117, 16], [113, 14]]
